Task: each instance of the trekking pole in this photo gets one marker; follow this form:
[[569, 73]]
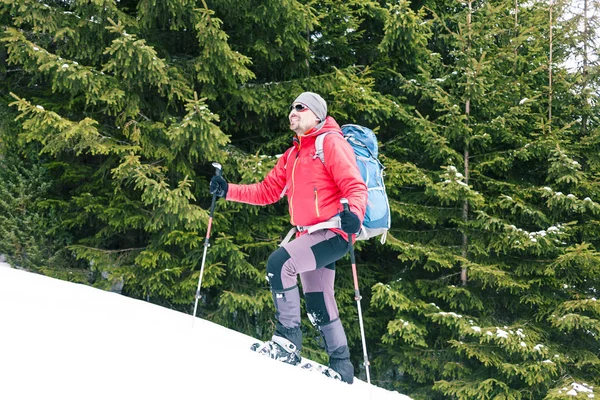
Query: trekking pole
[[357, 296], [218, 172]]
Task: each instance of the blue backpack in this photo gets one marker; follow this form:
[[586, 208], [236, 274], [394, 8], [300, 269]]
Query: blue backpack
[[364, 143]]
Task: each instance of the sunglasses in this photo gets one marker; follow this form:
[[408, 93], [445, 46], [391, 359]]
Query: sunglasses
[[298, 107]]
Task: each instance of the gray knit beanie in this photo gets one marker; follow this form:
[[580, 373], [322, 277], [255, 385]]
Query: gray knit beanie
[[315, 103]]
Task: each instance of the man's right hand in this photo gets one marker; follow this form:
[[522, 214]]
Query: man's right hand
[[218, 186]]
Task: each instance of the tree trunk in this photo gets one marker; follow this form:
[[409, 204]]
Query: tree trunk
[[465, 214], [550, 71], [585, 72]]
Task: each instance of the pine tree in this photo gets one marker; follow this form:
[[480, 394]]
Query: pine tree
[[485, 288], [127, 141], [117, 118], [27, 235], [473, 317]]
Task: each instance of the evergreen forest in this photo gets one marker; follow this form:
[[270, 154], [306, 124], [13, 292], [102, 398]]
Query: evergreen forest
[[486, 113]]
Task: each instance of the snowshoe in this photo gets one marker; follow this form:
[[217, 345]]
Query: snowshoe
[[328, 372], [279, 349]]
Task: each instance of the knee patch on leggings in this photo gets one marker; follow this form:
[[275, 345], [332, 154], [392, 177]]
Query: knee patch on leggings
[[274, 267], [316, 308], [287, 304]]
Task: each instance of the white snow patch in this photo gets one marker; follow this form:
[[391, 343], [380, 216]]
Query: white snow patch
[[582, 387], [501, 333], [452, 314], [102, 345], [577, 388]]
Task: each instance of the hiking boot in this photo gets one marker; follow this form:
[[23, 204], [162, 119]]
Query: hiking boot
[[344, 367], [336, 346], [280, 349]]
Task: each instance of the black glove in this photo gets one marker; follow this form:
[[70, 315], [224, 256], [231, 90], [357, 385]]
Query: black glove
[[350, 222], [218, 186]]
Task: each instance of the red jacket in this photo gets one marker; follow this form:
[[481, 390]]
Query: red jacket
[[313, 190]]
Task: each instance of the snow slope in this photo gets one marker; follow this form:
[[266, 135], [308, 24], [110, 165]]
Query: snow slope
[[60, 340]]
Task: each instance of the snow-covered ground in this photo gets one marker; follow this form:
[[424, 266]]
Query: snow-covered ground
[[60, 340]]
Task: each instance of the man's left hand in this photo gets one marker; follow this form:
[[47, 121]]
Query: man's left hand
[[350, 222]]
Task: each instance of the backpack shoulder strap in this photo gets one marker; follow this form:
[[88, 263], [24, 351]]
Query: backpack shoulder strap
[[289, 152], [319, 147]]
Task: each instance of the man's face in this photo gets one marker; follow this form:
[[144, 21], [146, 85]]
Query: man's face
[[302, 119]]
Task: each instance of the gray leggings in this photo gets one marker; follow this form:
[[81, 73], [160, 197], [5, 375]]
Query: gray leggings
[[312, 256]]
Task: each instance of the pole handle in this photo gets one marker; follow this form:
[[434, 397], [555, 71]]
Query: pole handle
[[218, 168], [344, 202], [218, 172], [346, 206]]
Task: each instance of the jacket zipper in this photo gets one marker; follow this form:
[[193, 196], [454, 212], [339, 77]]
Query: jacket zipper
[[293, 187], [316, 202], [283, 192]]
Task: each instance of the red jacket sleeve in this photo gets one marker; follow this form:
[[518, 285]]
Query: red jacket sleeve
[[345, 173], [268, 191]]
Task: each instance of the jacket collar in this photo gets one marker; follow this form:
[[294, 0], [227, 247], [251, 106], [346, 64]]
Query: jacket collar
[[329, 125]]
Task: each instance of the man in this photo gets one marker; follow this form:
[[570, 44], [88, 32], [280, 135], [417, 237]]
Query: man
[[314, 191]]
